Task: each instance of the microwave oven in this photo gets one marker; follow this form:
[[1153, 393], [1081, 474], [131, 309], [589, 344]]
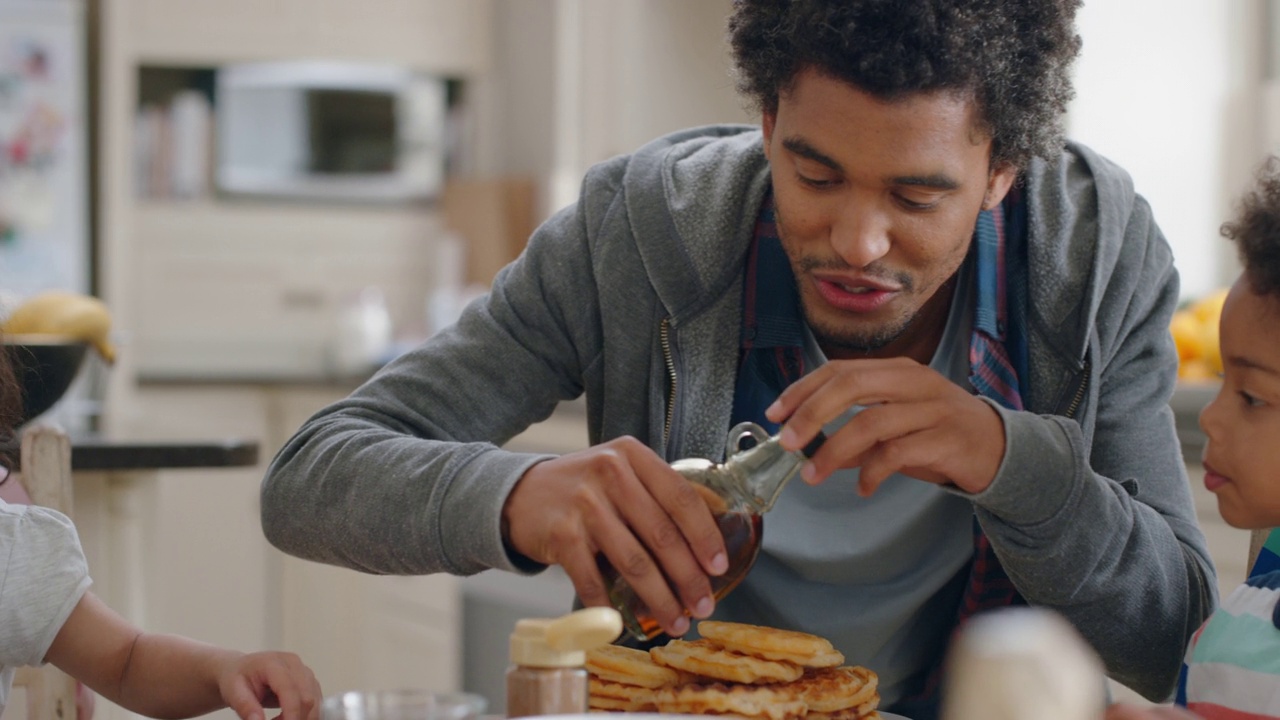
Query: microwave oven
[[329, 131]]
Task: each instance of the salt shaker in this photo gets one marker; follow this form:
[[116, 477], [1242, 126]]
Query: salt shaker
[[546, 676]]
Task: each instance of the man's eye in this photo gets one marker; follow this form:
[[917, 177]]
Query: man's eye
[[915, 204], [816, 182]]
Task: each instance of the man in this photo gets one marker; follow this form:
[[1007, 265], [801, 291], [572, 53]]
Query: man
[[909, 235]]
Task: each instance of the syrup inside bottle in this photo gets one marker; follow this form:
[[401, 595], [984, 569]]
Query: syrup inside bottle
[[742, 533]]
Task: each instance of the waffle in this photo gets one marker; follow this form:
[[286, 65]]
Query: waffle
[[828, 690], [772, 643], [710, 660], [735, 669], [752, 701], [628, 666]]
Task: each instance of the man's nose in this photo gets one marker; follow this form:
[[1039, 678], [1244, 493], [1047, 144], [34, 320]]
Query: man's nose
[[860, 234]]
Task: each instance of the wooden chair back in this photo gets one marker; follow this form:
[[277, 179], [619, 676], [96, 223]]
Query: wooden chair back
[[45, 473]]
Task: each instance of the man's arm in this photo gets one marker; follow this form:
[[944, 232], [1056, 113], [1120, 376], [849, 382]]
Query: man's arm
[[1101, 527], [404, 476]]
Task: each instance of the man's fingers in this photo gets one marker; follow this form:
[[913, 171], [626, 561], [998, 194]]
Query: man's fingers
[[632, 561], [823, 395], [689, 512], [916, 455], [662, 510], [849, 447], [581, 564]]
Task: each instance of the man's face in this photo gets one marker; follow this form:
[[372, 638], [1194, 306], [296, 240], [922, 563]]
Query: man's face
[[876, 205], [1242, 424]]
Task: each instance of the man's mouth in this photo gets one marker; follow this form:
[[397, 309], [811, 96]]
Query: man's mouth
[[855, 296]]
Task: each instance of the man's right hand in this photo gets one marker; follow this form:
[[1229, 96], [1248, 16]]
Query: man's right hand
[[621, 500]]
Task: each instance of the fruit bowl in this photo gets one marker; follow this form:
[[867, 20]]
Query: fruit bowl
[[45, 366]]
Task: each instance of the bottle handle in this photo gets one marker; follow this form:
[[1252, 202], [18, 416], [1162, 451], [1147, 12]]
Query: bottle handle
[[741, 432]]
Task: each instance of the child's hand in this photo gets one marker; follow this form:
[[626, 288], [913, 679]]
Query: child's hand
[[255, 681]]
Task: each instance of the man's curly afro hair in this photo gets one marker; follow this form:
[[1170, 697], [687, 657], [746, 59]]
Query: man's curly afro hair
[[1014, 56], [1256, 231]]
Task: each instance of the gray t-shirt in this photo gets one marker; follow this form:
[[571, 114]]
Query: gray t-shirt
[[879, 576], [43, 575]]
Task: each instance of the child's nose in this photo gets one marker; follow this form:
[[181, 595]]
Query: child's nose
[[1210, 415]]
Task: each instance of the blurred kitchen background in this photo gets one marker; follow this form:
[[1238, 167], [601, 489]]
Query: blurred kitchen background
[[275, 196]]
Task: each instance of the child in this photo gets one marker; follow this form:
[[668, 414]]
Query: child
[[1232, 666], [48, 615]]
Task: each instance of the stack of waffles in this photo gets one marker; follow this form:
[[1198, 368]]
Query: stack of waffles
[[734, 669]]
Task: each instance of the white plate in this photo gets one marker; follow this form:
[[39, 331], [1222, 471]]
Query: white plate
[[664, 716]]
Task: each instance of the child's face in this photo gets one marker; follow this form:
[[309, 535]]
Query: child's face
[[1242, 456]]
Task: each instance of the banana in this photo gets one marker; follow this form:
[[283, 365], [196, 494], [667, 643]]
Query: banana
[[79, 317]]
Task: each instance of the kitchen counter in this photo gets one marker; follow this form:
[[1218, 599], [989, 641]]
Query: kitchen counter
[[117, 485], [103, 454]]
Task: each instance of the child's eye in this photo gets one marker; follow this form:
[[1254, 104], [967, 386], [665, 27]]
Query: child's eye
[[1250, 400]]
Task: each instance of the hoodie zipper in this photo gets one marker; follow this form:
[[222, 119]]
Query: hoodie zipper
[[664, 334], [1079, 397]]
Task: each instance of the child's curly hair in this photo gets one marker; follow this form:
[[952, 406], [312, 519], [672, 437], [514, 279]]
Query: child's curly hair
[[1256, 231], [1014, 57]]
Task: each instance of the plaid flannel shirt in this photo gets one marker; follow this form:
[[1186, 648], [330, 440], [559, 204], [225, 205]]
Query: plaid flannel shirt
[[772, 357]]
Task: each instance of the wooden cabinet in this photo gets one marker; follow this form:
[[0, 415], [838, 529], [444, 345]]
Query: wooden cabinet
[[447, 36]]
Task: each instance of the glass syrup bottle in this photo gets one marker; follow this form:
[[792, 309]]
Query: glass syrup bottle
[[738, 491]]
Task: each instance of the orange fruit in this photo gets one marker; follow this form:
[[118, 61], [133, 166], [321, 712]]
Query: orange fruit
[[1187, 334], [1196, 370], [1211, 352], [1209, 307]]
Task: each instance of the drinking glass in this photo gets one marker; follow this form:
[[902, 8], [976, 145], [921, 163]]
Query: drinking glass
[[402, 705]]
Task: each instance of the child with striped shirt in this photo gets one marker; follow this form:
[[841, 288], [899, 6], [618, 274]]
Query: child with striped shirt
[[1232, 666]]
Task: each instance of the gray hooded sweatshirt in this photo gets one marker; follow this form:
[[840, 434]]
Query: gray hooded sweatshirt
[[633, 297]]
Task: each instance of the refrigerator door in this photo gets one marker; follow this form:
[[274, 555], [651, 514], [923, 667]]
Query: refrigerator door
[[44, 232]]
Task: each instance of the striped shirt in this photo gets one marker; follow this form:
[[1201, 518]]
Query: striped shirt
[[1232, 666]]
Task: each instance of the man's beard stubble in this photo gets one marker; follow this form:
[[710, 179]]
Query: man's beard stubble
[[865, 341]]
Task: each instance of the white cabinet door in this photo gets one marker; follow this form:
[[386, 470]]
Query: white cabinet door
[[206, 561], [365, 632]]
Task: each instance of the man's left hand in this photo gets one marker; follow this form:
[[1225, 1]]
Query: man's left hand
[[915, 422]]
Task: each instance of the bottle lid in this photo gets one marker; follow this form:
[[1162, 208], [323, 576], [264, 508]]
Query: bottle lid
[[563, 641]]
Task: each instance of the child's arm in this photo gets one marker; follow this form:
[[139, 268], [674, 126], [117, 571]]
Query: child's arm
[[168, 676]]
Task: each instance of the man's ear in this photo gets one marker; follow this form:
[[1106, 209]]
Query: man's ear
[[998, 184], [766, 124]]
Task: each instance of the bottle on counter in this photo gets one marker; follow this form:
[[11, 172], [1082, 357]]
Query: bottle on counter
[[1022, 664], [546, 676], [738, 491]]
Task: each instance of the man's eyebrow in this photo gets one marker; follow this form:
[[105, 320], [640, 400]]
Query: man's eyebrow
[[936, 181], [799, 147], [1245, 363]]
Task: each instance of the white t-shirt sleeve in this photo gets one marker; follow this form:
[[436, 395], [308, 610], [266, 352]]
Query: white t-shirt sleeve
[[43, 574]]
